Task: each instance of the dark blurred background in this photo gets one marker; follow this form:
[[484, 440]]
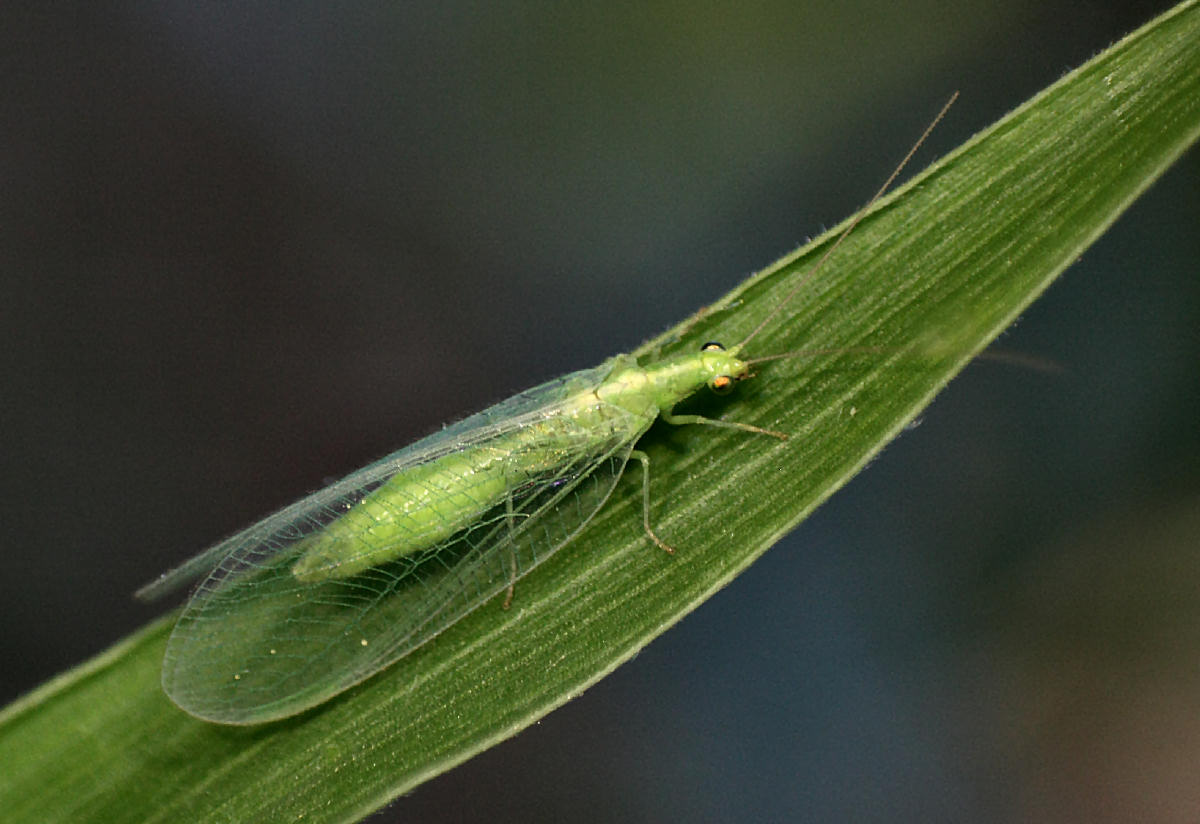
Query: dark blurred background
[[245, 251]]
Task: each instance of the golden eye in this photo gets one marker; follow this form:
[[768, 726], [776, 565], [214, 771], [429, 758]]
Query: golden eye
[[712, 346], [721, 384]]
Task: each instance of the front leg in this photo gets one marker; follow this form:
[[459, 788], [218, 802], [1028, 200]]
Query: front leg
[[670, 417]]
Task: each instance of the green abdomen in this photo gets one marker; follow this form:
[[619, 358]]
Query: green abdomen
[[426, 504], [416, 509]]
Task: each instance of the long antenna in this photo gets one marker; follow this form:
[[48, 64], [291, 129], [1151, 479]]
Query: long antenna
[[846, 232]]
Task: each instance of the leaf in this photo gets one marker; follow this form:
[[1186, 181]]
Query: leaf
[[931, 275]]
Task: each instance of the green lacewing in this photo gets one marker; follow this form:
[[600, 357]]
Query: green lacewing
[[334, 588]]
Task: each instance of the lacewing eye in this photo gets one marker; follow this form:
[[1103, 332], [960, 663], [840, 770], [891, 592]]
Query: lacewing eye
[[721, 384]]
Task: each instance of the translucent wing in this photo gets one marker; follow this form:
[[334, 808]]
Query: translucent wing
[[255, 643], [329, 503]]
